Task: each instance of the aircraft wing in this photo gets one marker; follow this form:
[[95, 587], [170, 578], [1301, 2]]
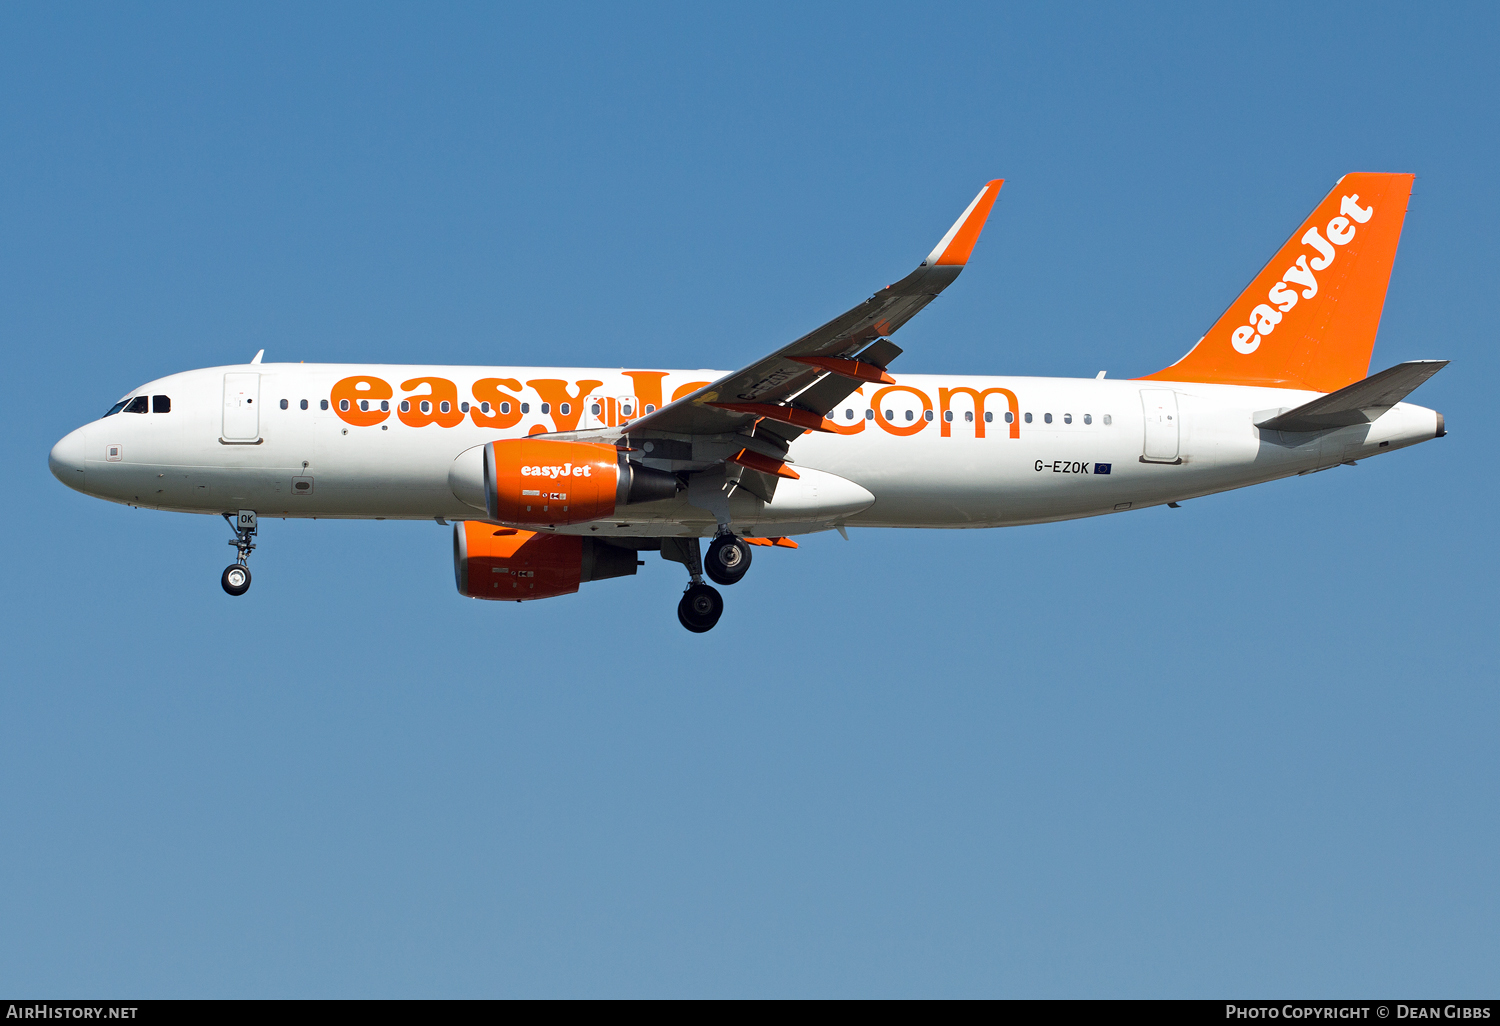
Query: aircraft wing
[[793, 388]]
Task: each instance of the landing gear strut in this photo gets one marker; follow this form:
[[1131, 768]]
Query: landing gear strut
[[701, 604], [728, 559], [236, 577]]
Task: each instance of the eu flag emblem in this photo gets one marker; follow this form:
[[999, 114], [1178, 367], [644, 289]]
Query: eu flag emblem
[[1102, 468]]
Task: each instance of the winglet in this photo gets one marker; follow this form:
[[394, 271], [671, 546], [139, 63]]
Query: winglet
[[959, 242]]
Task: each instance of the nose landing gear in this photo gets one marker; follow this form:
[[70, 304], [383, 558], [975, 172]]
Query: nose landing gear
[[236, 577]]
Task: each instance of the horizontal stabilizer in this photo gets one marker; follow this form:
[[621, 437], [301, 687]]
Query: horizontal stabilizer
[[1359, 403]]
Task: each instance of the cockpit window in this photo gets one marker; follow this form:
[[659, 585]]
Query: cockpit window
[[161, 404], [137, 405], [117, 407]]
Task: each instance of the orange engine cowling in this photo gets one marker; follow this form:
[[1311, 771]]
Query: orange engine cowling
[[510, 565], [551, 483]]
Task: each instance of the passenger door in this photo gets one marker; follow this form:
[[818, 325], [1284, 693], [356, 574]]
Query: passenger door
[[241, 407], [1163, 426]]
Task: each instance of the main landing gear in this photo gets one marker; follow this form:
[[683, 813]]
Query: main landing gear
[[728, 559], [236, 576], [700, 608]]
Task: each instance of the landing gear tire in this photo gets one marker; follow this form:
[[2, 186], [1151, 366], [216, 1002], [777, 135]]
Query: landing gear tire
[[727, 561], [700, 608], [236, 579]]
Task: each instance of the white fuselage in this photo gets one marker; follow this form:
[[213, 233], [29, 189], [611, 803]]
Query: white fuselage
[[1074, 447]]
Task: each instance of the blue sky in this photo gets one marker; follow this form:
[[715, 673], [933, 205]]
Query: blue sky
[[1246, 747]]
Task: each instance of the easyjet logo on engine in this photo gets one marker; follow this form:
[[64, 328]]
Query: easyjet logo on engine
[[566, 470], [1300, 277]]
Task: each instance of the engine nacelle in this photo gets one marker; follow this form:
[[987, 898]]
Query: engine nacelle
[[511, 565], [551, 483]]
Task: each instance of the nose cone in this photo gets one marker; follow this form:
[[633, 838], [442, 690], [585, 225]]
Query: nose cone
[[66, 459]]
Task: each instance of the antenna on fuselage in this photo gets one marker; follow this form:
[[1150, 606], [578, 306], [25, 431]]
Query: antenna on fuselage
[[258, 354]]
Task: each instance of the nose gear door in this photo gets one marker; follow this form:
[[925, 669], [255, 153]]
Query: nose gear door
[[241, 407]]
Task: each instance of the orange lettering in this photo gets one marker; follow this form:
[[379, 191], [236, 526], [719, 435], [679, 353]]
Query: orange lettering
[[555, 392], [944, 394], [880, 418], [505, 409], [443, 392], [688, 389], [647, 390], [357, 400]]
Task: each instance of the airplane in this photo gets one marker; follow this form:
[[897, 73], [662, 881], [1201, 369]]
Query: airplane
[[556, 477]]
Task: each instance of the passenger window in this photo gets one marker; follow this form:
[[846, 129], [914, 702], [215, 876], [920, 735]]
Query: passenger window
[[385, 407], [364, 405], [137, 405], [1009, 417], [594, 409], [869, 415], [1106, 419], [650, 407], [927, 415], [285, 405], [405, 406], [526, 407], [445, 407], [1028, 418], [564, 409], [117, 407], [1047, 418], [989, 418], [948, 416], [908, 415], [968, 416], [1067, 418], [463, 407], [343, 405], [1088, 418], [161, 404], [546, 408], [627, 410], [304, 404], [323, 404], [889, 415], [849, 414]]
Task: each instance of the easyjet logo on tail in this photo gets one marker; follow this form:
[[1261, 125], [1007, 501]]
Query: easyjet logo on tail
[[1301, 277], [1308, 320]]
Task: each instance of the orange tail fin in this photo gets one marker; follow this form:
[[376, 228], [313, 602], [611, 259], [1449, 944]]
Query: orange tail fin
[[1308, 319]]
